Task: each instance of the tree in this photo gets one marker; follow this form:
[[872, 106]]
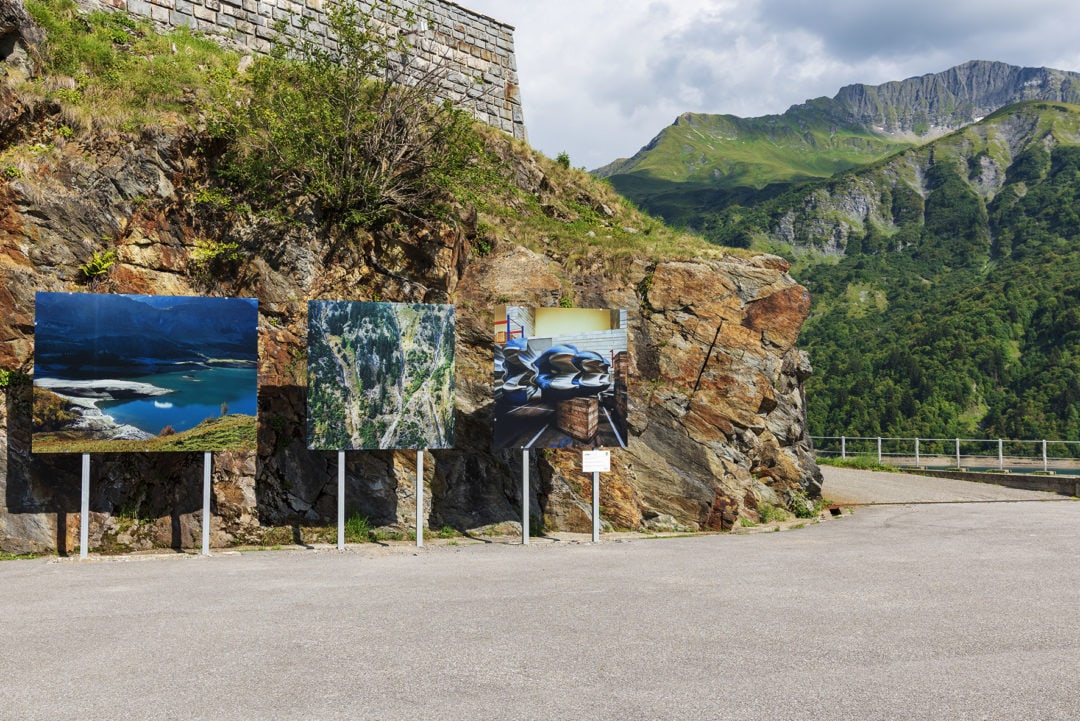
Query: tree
[[356, 124]]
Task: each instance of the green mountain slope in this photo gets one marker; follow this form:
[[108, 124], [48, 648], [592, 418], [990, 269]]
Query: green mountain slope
[[694, 171], [703, 163], [945, 283]]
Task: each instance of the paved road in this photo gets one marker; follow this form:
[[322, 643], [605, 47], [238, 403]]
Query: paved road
[[848, 485], [894, 612]]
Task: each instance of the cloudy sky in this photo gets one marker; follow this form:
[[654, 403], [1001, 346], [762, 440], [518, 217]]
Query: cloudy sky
[[600, 78]]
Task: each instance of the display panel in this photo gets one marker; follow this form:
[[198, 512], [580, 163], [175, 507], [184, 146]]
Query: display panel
[[380, 376], [144, 373], [560, 377]]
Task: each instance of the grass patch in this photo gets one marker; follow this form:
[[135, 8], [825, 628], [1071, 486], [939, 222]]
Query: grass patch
[[358, 529], [228, 433], [18, 556], [863, 463], [769, 513], [109, 69]]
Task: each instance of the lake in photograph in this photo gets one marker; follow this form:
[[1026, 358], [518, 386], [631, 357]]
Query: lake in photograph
[[196, 396]]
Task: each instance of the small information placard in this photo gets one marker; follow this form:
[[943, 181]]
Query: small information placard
[[596, 461]]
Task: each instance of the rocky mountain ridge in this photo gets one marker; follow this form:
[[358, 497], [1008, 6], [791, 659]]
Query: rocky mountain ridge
[[931, 105], [700, 165], [889, 195]]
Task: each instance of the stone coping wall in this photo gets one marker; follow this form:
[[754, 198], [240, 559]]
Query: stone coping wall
[[477, 50]]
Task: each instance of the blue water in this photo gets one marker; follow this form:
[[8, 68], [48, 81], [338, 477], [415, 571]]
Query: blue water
[[197, 395]]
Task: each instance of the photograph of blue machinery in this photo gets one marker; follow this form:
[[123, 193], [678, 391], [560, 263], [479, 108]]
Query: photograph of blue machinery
[[560, 377]]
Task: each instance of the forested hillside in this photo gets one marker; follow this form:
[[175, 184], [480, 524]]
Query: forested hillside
[[945, 283]]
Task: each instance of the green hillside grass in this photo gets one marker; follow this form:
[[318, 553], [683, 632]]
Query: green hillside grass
[[703, 163], [235, 432]]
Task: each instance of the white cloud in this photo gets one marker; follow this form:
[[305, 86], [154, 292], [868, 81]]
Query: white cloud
[[600, 78]]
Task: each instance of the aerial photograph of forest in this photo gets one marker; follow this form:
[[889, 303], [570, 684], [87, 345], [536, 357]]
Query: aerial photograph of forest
[[380, 376]]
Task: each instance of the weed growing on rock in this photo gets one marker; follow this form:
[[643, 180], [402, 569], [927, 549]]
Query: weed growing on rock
[[358, 529]]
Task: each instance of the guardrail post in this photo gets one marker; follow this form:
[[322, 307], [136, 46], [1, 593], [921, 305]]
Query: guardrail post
[[917, 464], [843, 447], [1046, 467], [879, 450], [957, 452], [1001, 456]]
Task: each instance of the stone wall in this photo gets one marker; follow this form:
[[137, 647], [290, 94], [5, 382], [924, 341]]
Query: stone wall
[[477, 51]]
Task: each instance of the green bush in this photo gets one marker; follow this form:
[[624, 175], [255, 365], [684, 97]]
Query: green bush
[[10, 377], [769, 513], [214, 258], [345, 127]]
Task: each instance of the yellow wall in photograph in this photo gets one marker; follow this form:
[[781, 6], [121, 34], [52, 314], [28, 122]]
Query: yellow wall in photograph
[[571, 321]]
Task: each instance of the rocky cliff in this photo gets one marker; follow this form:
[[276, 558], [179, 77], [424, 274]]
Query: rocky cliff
[[936, 103], [885, 205], [716, 408]]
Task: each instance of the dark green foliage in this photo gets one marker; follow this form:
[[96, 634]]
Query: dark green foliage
[[1030, 166], [347, 127], [955, 231], [965, 347]]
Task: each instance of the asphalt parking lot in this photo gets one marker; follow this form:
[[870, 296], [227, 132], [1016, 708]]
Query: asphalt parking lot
[[942, 611]]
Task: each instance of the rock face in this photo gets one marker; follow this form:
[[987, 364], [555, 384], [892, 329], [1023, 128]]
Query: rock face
[[940, 102], [715, 413], [19, 37]]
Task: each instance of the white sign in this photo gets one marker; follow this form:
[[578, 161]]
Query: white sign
[[596, 461]]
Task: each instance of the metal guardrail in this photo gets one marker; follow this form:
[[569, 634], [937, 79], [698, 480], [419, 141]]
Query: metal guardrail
[[1046, 456]]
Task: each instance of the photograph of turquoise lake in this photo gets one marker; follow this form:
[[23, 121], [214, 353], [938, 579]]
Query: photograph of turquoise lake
[[144, 373]]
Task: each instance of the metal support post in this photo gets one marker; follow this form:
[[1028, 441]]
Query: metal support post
[[957, 452], [208, 461], [1001, 455], [596, 507], [879, 450], [917, 463], [1046, 466], [84, 508], [843, 447], [341, 500], [525, 496], [419, 499]]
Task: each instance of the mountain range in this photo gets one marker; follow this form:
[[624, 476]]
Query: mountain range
[[701, 165], [87, 335]]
